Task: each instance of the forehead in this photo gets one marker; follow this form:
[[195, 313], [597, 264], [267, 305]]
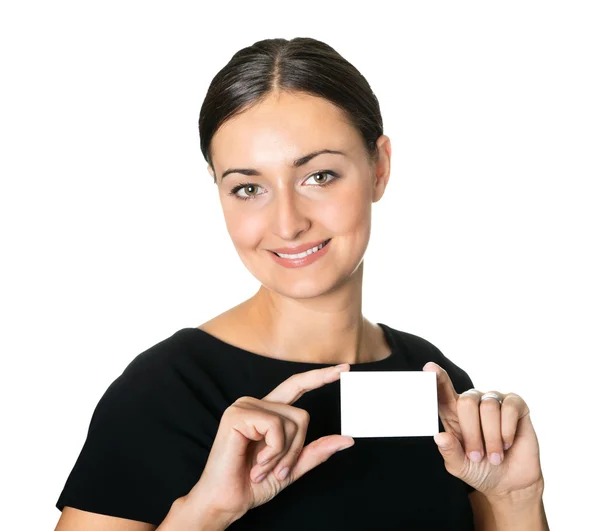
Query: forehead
[[283, 125]]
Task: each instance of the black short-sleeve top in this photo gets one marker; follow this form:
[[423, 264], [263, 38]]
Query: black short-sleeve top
[[152, 430]]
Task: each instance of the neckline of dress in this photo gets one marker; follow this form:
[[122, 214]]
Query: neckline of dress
[[386, 330]]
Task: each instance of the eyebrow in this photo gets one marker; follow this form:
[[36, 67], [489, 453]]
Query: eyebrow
[[297, 163]]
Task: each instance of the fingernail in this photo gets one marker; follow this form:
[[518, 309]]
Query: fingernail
[[340, 366], [507, 446], [260, 478], [475, 456], [283, 473], [495, 459]]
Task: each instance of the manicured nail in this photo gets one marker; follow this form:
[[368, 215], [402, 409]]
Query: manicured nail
[[475, 456], [495, 459], [283, 473], [340, 366], [260, 478], [507, 446]]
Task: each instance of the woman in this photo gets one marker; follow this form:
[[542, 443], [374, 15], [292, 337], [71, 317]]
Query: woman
[[293, 137]]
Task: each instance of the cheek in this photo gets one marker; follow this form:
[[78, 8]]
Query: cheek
[[350, 210], [245, 229]]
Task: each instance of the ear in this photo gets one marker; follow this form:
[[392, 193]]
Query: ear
[[382, 167]]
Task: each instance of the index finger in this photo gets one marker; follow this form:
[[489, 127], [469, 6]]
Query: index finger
[[447, 395], [290, 390]]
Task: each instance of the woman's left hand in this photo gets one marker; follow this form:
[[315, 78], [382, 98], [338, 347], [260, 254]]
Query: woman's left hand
[[486, 427]]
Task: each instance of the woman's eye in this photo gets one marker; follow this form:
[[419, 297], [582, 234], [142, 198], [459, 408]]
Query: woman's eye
[[251, 189], [323, 181]]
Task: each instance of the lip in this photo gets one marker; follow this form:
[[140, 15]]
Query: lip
[[292, 263], [299, 248]]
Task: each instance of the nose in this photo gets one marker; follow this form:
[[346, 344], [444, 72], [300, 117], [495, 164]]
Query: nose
[[288, 217]]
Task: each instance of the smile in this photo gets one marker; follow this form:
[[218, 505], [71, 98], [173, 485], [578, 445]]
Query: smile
[[303, 254], [302, 259]]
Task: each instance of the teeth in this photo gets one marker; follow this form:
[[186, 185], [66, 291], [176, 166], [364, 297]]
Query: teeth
[[302, 255]]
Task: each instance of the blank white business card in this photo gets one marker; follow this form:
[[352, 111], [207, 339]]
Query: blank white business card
[[388, 403]]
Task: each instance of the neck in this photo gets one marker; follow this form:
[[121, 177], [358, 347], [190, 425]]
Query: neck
[[328, 329]]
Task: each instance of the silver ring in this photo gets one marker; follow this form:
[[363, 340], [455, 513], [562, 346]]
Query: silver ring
[[495, 396]]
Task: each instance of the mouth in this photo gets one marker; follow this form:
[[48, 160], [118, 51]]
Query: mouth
[[304, 253]]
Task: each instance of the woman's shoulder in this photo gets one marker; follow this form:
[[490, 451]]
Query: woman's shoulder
[[233, 328], [148, 436], [417, 344], [156, 358], [182, 359], [419, 351], [143, 374]]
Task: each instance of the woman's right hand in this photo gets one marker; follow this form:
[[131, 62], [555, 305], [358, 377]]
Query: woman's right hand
[[252, 430]]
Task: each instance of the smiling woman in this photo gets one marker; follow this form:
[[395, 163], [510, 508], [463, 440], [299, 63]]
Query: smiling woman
[[214, 426], [315, 177]]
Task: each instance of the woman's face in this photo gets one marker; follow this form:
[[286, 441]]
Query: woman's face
[[283, 205]]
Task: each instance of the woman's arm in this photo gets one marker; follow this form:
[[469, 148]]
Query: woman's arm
[[72, 519], [527, 514], [177, 519], [184, 518]]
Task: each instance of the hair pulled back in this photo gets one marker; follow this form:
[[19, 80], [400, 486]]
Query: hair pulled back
[[302, 64]]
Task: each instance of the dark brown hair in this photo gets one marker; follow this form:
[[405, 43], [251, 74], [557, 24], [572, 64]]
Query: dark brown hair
[[301, 64]]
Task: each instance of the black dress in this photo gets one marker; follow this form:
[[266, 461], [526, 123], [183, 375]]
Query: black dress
[[151, 433]]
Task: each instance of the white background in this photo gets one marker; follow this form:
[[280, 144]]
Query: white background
[[485, 243]]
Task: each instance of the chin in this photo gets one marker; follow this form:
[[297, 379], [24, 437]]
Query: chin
[[300, 291], [309, 287]]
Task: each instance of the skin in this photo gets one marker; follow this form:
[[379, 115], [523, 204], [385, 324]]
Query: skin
[[312, 313]]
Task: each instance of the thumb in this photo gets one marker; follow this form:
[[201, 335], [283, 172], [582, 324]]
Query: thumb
[[318, 452], [452, 452]]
